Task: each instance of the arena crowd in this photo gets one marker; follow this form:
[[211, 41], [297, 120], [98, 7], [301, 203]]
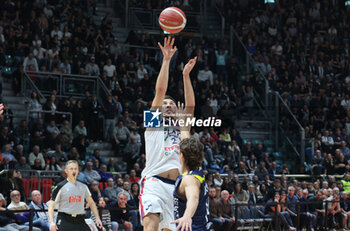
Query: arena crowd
[[302, 48]]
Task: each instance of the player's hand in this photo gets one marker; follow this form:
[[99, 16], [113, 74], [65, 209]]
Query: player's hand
[[168, 50], [189, 66], [180, 111], [53, 227], [99, 223], [1, 109], [184, 223], [127, 225]]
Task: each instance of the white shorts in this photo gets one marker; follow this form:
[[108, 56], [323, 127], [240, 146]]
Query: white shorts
[[156, 196]]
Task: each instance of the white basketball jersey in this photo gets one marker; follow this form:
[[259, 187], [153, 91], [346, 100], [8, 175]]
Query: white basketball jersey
[[162, 150]]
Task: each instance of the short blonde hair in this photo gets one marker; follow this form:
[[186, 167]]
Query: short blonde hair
[[72, 162]]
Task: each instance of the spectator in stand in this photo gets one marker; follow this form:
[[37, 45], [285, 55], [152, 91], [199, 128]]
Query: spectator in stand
[[135, 192], [327, 141], [225, 211], [307, 219], [105, 216], [110, 116], [318, 163], [6, 164], [95, 190], [221, 64], [110, 69], [9, 220], [23, 166], [141, 72], [241, 196], [53, 165], [111, 191], [81, 176], [51, 106], [36, 154], [35, 107], [112, 166], [80, 129], [251, 47], [214, 215], [274, 169], [261, 171], [16, 203], [52, 127], [217, 179], [30, 61], [104, 174], [292, 199], [94, 110], [14, 182], [5, 137], [58, 153], [37, 204], [37, 165], [283, 216], [132, 152], [121, 136], [51, 141], [22, 133], [122, 215], [205, 74], [96, 155], [345, 207], [335, 217], [6, 153], [133, 177], [92, 68], [91, 175], [66, 132]]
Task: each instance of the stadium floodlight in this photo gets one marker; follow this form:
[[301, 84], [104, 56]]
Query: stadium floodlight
[[347, 3], [269, 1]]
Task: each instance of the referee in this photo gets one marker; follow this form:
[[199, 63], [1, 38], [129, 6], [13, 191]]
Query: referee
[[70, 195]]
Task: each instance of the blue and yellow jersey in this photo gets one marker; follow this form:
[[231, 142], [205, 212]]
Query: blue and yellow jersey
[[200, 218]]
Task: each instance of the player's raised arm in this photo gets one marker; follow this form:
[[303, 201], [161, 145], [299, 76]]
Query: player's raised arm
[[162, 81], [188, 89], [181, 115], [192, 191]]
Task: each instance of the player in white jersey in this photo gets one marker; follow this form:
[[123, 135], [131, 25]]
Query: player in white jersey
[[163, 150]]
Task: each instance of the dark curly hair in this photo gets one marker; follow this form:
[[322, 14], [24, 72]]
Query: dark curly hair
[[192, 150]]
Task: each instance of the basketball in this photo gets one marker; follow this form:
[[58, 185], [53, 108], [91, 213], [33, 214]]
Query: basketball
[[172, 20]]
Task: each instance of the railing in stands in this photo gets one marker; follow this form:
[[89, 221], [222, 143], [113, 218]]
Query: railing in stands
[[271, 106], [223, 21], [290, 130], [65, 85], [28, 87], [249, 216], [42, 113]]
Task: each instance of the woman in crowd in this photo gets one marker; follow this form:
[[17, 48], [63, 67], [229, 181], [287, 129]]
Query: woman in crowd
[[53, 165], [35, 107]]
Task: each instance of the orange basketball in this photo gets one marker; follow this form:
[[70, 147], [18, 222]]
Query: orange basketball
[[172, 20]]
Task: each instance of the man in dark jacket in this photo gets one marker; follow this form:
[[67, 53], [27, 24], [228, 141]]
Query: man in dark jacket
[[121, 214]]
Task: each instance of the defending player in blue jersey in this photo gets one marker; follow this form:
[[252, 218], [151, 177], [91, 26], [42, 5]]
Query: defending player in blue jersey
[[191, 201]]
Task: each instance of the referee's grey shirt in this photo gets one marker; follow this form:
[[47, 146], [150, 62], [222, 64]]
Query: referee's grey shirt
[[70, 197]]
